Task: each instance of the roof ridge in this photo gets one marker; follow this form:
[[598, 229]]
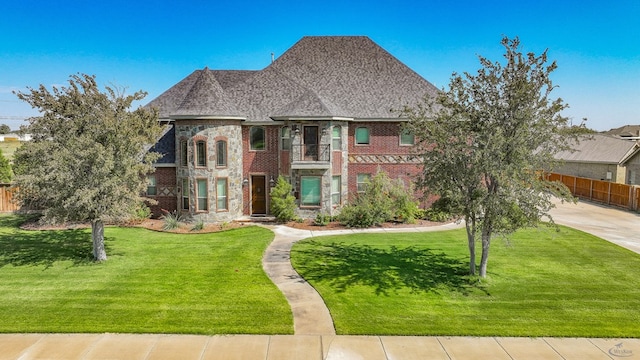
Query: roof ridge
[[205, 92]]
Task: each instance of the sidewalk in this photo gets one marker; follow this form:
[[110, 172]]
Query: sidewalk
[[306, 347]]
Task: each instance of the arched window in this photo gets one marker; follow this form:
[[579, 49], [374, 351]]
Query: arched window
[[256, 138], [221, 153], [201, 153]]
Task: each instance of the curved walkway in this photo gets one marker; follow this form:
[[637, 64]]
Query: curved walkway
[[312, 317], [310, 314]]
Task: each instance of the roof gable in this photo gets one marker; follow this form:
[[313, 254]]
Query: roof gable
[[206, 98]]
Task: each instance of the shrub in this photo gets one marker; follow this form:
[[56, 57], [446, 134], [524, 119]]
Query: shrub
[[322, 219], [436, 215], [383, 200], [171, 220], [143, 212], [283, 204], [440, 210], [199, 225]]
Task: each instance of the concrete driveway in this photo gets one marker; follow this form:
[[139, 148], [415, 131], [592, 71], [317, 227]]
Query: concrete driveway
[[619, 226]]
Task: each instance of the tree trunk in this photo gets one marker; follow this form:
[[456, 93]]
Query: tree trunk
[[471, 239], [97, 236], [486, 241]]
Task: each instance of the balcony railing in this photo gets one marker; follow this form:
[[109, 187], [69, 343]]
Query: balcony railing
[[311, 153]]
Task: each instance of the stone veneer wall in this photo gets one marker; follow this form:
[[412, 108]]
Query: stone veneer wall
[[211, 131], [342, 169]]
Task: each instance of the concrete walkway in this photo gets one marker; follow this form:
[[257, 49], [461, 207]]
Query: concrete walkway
[[307, 347], [310, 314]]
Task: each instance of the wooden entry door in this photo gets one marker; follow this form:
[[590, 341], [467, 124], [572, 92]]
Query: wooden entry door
[[310, 143], [258, 195]]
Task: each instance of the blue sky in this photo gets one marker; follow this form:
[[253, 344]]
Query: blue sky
[[151, 45]]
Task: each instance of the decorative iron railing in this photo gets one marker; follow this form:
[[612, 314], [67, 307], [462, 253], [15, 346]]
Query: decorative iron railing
[[311, 152]]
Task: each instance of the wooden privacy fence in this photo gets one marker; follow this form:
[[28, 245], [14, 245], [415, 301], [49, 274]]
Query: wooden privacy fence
[[623, 195], [6, 199]]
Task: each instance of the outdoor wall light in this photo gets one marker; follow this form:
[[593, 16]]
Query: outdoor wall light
[[272, 182], [245, 182]]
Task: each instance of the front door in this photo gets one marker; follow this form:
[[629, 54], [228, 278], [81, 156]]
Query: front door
[[310, 143], [258, 195]]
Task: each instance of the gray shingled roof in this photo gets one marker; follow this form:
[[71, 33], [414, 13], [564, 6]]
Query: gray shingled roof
[[166, 146], [598, 148], [344, 76], [625, 131]]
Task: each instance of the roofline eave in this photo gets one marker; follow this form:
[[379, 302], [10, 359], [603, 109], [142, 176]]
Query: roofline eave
[[207, 117], [311, 118]]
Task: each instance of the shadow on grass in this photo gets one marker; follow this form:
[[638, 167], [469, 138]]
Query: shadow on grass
[[385, 270], [32, 248]]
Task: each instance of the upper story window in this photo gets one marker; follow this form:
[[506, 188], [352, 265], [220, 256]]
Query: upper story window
[[183, 152], [221, 153], [152, 190], [285, 135], [407, 138], [336, 137], [201, 153], [362, 136], [257, 138]]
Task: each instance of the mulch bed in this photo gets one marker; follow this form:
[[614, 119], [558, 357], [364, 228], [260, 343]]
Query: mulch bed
[[157, 224]]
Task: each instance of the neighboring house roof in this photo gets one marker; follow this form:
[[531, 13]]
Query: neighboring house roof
[[326, 76], [625, 131], [598, 148]]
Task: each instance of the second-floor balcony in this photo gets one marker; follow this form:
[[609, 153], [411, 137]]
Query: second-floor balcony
[[310, 156]]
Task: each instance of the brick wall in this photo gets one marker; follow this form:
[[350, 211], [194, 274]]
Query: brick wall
[[384, 153], [259, 162], [166, 191]]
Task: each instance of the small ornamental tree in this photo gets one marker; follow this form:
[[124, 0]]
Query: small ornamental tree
[[283, 204], [87, 160], [485, 141]]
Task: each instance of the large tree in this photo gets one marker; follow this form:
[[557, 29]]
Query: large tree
[[485, 140], [87, 160]]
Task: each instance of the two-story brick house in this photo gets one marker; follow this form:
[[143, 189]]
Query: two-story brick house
[[320, 115]]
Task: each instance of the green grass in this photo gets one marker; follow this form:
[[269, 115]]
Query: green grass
[[540, 283], [152, 283], [8, 148]]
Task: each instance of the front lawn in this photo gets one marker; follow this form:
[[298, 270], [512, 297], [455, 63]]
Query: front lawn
[[540, 283], [152, 282]]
